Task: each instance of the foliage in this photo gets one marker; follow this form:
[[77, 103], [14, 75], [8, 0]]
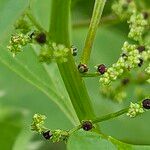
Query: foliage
[[36, 52]]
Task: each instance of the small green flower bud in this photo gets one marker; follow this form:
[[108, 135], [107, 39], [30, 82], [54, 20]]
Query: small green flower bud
[[38, 123], [124, 8], [60, 52], [59, 136], [134, 110], [137, 26], [23, 24], [45, 55], [17, 42]]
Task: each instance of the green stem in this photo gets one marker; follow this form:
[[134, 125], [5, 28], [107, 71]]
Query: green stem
[[59, 33], [75, 129], [101, 119], [107, 20], [110, 116], [96, 74], [97, 12]]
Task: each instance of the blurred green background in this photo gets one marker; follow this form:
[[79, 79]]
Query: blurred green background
[[19, 100]]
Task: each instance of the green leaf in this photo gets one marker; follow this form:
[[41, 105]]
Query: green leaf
[[10, 127], [9, 132], [26, 64], [33, 72], [10, 10], [89, 140]]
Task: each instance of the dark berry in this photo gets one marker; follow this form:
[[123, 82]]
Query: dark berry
[[125, 81], [146, 103], [101, 69], [41, 38], [141, 48], [141, 62], [74, 50], [87, 125], [47, 135], [83, 68], [145, 15]]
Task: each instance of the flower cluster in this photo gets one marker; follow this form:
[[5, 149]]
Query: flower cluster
[[124, 8], [145, 55], [116, 94], [53, 135], [137, 26], [38, 123], [60, 52], [59, 136], [132, 56], [135, 109], [46, 54], [53, 52], [23, 24], [129, 59], [17, 42]]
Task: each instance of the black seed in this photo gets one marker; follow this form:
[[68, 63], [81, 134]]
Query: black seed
[[145, 15], [41, 38], [125, 81], [74, 50], [47, 135], [146, 103], [141, 48], [32, 34], [87, 125], [125, 56], [101, 69], [82, 68], [141, 62]]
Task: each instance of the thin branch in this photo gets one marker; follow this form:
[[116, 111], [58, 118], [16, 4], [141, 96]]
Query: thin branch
[[107, 20], [110, 116], [86, 75], [97, 12]]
